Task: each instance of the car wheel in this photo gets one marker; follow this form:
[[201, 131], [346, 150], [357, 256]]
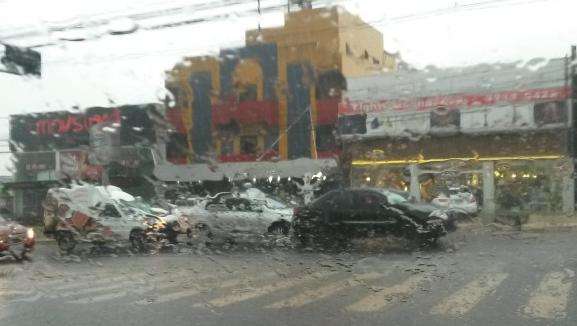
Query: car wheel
[[306, 239], [137, 242], [172, 233], [200, 235], [279, 228], [66, 242]]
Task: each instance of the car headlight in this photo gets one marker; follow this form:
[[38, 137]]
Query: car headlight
[[439, 214], [30, 233]]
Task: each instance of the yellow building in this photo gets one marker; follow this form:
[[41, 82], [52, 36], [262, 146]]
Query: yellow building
[[277, 97]]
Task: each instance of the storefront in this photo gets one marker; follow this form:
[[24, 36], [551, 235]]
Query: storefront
[[501, 131], [529, 170], [57, 148]]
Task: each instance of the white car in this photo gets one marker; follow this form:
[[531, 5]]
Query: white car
[[98, 214], [239, 216], [459, 200]]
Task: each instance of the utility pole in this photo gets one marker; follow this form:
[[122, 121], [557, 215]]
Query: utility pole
[[569, 179]]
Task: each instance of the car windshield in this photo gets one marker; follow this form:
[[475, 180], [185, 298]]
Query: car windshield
[[288, 162], [136, 206], [275, 204]]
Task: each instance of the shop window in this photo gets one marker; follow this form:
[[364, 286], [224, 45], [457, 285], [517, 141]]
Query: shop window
[[248, 144]]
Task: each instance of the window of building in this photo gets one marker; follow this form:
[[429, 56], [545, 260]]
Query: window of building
[[248, 144], [348, 49], [226, 146], [366, 55], [248, 93], [330, 84], [376, 61]]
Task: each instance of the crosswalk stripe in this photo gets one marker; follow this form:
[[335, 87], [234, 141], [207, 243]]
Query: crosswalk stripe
[[170, 278], [264, 290], [74, 284], [192, 292], [462, 301], [171, 297], [187, 293], [86, 291], [383, 298], [100, 298], [312, 295], [550, 299]]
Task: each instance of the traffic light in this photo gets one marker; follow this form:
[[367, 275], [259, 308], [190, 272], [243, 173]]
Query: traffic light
[[19, 61]]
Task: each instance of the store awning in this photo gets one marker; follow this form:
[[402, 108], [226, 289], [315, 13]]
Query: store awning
[[205, 172]]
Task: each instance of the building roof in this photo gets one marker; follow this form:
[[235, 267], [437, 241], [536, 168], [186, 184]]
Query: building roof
[[477, 79]]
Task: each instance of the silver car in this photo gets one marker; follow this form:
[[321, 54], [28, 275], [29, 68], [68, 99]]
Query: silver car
[[239, 216]]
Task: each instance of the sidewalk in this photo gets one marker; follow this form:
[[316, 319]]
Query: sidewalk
[[536, 223]]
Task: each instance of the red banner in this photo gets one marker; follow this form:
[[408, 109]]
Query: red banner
[[454, 101]]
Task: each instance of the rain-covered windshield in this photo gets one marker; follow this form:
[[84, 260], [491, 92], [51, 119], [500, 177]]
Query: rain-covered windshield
[[288, 162]]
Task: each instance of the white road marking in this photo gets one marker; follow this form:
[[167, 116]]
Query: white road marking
[[313, 295], [140, 285], [82, 284], [383, 298], [170, 297], [100, 298], [462, 301], [549, 300], [192, 292], [252, 293]]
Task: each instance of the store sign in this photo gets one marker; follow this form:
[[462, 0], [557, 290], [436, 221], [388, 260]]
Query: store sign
[[503, 111], [68, 130], [74, 123], [454, 101]]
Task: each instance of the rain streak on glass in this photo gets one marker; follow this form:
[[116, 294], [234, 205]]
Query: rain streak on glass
[[292, 162]]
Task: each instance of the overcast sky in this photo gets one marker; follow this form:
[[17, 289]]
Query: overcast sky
[[129, 69]]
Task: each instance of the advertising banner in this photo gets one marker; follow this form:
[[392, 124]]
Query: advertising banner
[[465, 113]]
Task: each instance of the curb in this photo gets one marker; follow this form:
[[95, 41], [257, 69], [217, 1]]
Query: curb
[[493, 227]]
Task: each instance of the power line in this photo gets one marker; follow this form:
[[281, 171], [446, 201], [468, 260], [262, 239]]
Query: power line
[[352, 26], [136, 16]]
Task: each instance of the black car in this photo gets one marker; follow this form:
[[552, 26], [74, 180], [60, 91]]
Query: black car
[[348, 213]]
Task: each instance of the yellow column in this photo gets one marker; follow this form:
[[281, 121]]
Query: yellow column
[[187, 112], [282, 110]]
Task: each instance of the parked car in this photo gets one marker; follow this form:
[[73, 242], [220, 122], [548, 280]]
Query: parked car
[[459, 200], [238, 216], [101, 215], [349, 213], [15, 240]]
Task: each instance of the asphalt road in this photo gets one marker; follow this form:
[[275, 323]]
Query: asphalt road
[[473, 279]]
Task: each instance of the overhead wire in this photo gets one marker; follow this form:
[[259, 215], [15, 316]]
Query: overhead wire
[[351, 26]]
